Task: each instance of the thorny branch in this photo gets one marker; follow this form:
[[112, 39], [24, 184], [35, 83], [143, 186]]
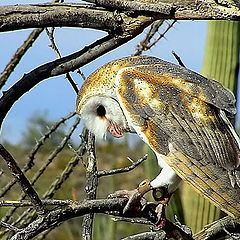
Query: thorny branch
[[122, 170], [71, 209], [56, 50], [22, 180], [18, 55], [30, 163]]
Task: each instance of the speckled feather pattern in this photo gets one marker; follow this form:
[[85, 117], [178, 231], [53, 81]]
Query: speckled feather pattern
[[178, 112]]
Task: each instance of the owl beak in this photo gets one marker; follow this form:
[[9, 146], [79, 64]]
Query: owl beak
[[114, 129]]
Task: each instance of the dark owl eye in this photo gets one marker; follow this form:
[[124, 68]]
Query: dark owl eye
[[101, 111]]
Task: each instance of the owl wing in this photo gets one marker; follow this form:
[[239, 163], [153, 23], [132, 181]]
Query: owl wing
[[181, 115]]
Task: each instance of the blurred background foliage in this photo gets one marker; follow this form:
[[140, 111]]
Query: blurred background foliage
[[221, 62]]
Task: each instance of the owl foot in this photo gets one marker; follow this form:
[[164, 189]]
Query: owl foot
[[135, 197]]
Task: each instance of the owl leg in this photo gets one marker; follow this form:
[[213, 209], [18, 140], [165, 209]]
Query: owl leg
[[167, 178], [163, 187]]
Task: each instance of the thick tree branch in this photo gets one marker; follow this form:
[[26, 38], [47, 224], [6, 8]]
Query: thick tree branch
[[91, 186], [218, 229], [57, 15], [76, 209], [178, 9], [91, 16]]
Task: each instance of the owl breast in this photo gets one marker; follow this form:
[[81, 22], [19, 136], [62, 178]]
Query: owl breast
[[102, 114]]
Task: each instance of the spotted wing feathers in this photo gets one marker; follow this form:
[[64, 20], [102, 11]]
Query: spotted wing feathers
[[178, 113]]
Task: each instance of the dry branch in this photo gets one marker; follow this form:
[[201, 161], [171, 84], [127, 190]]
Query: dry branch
[[76, 209], [91, 186], [122, 170], [22, 180], [32, 154], [147, 236], [217, 229], [58, 54], [18, 55], [56, 15], [91, 16]]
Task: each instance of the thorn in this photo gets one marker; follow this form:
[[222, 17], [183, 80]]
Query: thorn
[[130, 160]]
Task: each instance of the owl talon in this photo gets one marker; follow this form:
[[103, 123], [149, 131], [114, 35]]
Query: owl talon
[[135, 197]]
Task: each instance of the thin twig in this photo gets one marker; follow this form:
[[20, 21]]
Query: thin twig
[[9, 226], [18, 55], [180, 62], [146, 43], [68, 169], [58, 54], [131, 220], [22, 180], [122, 170], [54, 154], [153, 29], [46, 202], [162, 35]]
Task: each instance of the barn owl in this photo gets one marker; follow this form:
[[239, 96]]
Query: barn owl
[[180, 114]]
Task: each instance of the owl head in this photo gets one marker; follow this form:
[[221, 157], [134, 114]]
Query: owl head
[[101, 114], [97, 102]]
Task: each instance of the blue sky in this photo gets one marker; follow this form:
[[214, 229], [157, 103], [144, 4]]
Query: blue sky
[[55, 95]]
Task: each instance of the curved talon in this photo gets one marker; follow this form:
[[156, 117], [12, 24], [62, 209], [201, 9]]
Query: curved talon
[[135, 197]]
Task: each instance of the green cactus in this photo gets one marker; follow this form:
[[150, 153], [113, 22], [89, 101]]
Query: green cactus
[[221, 63]]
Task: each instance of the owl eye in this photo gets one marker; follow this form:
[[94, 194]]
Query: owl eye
[[101, 111]]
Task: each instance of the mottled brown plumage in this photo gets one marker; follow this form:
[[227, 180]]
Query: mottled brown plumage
[[181, 115]]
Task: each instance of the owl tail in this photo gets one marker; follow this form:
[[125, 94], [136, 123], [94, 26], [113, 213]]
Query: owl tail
[[210, 180]]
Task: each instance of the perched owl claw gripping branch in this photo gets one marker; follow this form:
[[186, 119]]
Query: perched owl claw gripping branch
[[180, 114]]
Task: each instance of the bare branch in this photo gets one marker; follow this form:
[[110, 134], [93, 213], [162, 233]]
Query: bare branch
[[56, 217], [122, 170], [217, 229], [57, 15], [8, 226], [46, 202], [56, 151], [22, 180], [91, 186], [132, 220], [178, 9], [18, 55], [147, 236], [142, 45], [180, 62], [56, 50], [68, 169]]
